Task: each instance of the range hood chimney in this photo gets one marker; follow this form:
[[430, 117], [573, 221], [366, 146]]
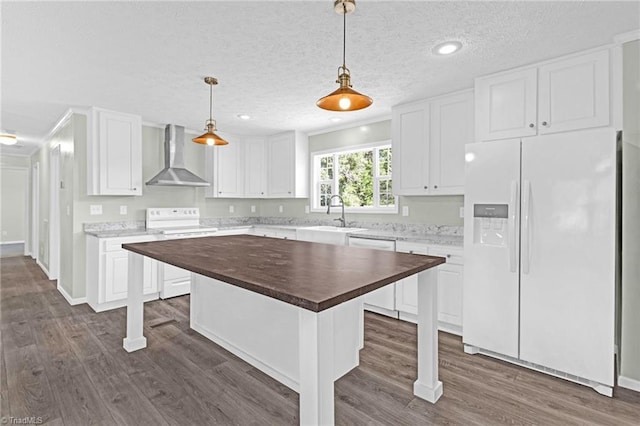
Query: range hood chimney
[[174, 172]]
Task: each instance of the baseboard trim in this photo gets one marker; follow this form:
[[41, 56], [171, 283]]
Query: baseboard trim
[[628, 383], [44, 269], [72, 301]]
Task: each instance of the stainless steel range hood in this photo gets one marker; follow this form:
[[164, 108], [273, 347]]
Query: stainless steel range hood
[[174, 172]]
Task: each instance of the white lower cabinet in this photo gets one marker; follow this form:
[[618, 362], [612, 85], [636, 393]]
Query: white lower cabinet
[[107, 272], [382, 300], [450, 280]]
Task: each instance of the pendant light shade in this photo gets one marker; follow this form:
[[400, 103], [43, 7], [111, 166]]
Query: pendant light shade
[[209, 137], [344, 98]]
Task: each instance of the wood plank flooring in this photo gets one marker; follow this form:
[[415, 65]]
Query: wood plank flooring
[[65, 364]]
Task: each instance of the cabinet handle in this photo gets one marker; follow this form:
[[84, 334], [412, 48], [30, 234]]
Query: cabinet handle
[[219, 192], [531, 125], [410, 251], [426, 187], [435, 186], [448, 256], [262, 193], [544, 123], [289, 192]]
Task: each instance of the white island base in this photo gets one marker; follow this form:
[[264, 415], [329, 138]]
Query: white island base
[[305, 350]]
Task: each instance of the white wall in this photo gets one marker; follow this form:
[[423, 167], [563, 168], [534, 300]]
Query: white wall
[[13, 197]]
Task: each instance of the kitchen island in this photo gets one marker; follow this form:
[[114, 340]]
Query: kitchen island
[[291, 308]]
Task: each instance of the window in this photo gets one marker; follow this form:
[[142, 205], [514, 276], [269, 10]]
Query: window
[[362, 176]]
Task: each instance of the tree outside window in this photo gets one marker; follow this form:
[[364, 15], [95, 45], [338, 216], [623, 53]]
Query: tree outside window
[[361, 176]]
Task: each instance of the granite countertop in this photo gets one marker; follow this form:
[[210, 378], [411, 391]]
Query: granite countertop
[[311, 276], [434, 239], [129, 229]]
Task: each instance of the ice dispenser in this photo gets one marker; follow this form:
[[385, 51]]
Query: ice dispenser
[[490, 224]]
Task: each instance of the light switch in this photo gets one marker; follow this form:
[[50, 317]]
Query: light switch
[[405, 210], [123, 209], [306, 209], [462, 212], [95, 209], [281, 209], [253, 209], [68, 210], [232, 209]]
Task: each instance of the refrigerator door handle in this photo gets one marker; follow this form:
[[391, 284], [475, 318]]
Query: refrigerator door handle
[[525, 237], [512, 227]]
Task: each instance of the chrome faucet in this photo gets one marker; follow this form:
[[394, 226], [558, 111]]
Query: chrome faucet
[[341, 219]]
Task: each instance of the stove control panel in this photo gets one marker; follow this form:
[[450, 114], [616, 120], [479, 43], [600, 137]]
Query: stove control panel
[[164, 217]]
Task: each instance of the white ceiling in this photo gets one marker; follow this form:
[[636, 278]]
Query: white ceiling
[[273, 60]]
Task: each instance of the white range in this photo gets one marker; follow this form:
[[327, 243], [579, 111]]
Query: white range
[[174, 223]]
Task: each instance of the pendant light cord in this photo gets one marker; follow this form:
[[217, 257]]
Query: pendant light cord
[[210, 102], [344, 35]]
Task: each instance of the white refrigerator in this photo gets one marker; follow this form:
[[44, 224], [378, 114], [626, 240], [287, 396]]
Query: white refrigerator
[[540, 253]]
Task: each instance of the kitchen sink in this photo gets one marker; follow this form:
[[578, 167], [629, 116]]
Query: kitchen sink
[[325, 234]]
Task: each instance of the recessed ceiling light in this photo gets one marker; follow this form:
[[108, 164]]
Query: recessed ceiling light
[[243, 116], [447, 48], [335, 119], [8, 139]]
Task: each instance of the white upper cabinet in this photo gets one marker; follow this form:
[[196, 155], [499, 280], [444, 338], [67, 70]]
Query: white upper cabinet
[[225, 169], [451, 129], [574, 93], [287, 165], [428, 144], [114, 153], [410, 146], [255, 176], [563, 95], [506, 105]]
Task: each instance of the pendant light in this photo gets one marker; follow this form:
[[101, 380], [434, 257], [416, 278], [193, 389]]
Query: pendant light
[[344, 98], [210, 138]]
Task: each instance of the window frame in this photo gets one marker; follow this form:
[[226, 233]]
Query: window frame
[[315, 181]]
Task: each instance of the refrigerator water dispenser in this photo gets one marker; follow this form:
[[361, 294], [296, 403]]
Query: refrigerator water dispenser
[[490, 224]]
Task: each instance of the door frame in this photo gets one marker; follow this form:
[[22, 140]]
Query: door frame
[[54, 213], [35, 211]]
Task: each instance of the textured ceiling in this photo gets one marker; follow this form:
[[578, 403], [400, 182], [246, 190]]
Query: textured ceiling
[[273, 59]]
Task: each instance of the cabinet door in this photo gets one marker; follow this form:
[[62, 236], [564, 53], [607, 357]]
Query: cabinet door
[[407, 288], [119, 139], [383, 297], [280, 166], [574, 93], [450, 281], [452, 127], [254, 168], [229, 170], [116, 275], [410, 142], [506, 105]]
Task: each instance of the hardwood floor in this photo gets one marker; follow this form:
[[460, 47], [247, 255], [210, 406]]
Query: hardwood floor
[[66, 365]]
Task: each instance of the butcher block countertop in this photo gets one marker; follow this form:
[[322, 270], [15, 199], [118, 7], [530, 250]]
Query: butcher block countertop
[[312, 276]]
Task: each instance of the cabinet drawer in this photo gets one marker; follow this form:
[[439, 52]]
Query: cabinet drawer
[[453, 256]]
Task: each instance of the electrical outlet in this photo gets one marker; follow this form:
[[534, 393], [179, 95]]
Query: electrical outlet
[[405, 210], [232, 209], [306, 209], [462, 212], [95, 209], [68, 210], [253, 209], [281, 209], [123, 209]]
